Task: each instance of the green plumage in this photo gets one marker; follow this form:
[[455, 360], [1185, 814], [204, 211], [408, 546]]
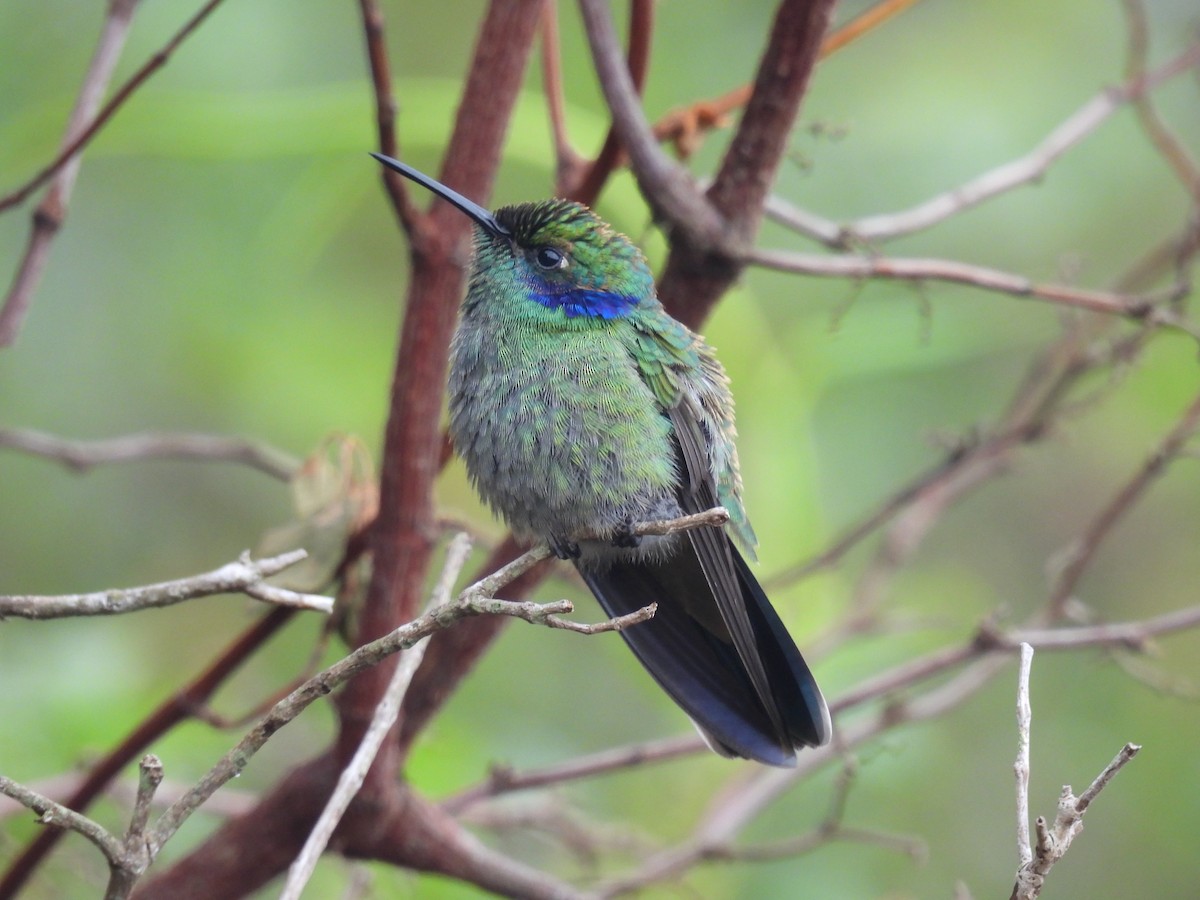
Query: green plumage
[[581, 408], [580, 441]]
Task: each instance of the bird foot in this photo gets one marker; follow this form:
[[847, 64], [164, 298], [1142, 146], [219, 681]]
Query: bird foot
[[563, 548], [625, 538]]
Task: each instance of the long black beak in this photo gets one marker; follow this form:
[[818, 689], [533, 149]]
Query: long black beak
[[470, 207]]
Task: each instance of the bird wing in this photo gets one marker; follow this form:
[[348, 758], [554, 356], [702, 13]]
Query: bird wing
[[676, 366]]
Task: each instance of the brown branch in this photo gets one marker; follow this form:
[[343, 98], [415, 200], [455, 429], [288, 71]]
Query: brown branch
[[402, 536], [1084, 549], [50, 214], [666, 185], [699, 269], [641, 27], [385, 113], [568, 164]]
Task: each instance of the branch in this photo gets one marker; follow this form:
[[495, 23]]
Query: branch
[[81, 456], [1137, 308], [1021, 766], [1083, 551], [504, 780], [385, 113], [355, 772], [51, 813], [476, 600], [49, 215], [175, 709], [1169, 147], [128, 859], [666, 185], [1024, 170], [1053, 841], [245, 576], [641, 28]]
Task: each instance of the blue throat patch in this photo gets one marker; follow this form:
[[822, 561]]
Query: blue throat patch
[[583, 302]]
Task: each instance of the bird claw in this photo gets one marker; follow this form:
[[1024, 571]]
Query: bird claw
[[563, 548], [625, 538]]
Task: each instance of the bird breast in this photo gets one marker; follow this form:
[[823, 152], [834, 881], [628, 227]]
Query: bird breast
[[559, 433]]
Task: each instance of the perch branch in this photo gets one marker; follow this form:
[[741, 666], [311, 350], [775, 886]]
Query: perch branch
[[475, 600]]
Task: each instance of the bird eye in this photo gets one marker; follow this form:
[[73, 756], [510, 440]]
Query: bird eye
[[549, 258]]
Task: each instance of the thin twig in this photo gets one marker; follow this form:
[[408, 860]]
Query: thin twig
[[355, 772], [81, 456], [48, 217], [864, 268], [1169, 147], [1083, 550], [50, 213], [999, 180], [1021, 766], [245, 576], [1053, 840], [135, 81], [385, 113], [51, 813], [474, 601], [503, 780]]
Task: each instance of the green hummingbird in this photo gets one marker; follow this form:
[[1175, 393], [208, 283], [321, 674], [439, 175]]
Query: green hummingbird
[[580, 408]]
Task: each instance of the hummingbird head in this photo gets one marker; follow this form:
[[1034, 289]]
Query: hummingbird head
[[559, 253]]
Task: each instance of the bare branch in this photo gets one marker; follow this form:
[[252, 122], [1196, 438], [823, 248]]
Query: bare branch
[[503, 780], [1172, 150], [49, 215], [385, 112], [51, 813], [1084, 549], [84, 455], [1054, 840], [666, 185], [641, 28], [1140, 309], [246, 576], [474, 601], [1023, 170], [1021, 766], [355, 771]]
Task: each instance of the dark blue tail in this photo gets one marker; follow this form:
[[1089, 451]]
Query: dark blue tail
[[689, 651]]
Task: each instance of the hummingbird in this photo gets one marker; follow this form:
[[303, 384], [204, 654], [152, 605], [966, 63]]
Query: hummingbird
[[581, 407]]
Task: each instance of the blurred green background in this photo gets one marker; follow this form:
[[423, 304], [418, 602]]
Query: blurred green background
[[229, 265]]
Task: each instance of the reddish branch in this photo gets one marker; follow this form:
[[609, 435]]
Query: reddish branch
[[386, 817], [698, 273]]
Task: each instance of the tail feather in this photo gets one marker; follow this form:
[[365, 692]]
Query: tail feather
[[696, 662]]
